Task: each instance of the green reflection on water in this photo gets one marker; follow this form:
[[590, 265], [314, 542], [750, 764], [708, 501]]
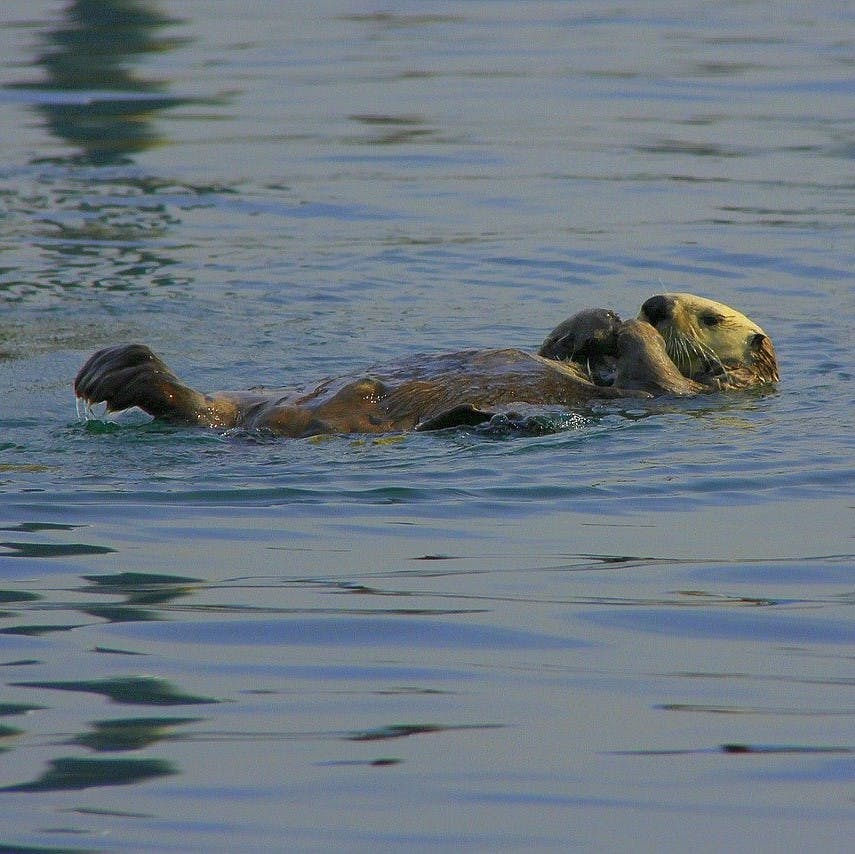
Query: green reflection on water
[[30, 849], [34, 527], [17, 708], [74, 773], [406, 730], [132, 690], [138, 588], [18, 596], [40, 550], [8, 732], [143, 588], [129, 733], [37, 629]]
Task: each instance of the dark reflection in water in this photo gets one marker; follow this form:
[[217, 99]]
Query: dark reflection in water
[[129, 733], [96, 228], [100, 105], [17, 708], [36, 630], [393, 129], [406, 730], [133, 690], [34, 527], [7, 732], [712, 709], [138, 588], [43, 550], [18, 596], [739, 748], [143, 588], [74, 773]]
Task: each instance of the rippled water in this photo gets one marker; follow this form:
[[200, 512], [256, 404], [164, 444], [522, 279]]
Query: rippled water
[[633, 632]]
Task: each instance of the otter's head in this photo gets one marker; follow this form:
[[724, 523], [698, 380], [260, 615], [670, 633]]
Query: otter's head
[[711, 342]]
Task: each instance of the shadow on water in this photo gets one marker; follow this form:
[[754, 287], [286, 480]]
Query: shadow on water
[[92, 100]]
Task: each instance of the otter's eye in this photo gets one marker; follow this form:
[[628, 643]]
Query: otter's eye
[[711, 319]]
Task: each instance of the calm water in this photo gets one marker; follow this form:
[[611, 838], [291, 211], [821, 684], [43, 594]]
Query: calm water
[[634, 632]]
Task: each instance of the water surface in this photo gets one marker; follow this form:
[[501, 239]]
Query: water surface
[[632, 631]]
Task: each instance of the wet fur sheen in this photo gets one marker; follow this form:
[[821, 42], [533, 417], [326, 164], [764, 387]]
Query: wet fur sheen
[[681, 345]]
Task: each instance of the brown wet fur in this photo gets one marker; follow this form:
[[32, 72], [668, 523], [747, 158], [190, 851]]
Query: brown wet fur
[[588, 338], [422, 392], [586, 334], [416, 392], [645, 365], [761, 369]]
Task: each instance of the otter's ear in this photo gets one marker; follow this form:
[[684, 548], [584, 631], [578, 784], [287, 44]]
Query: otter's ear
[[757, 341]]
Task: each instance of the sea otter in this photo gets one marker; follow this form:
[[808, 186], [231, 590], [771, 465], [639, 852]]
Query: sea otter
[[680, 345]]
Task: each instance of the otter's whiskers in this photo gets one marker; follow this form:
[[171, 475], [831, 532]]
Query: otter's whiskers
[[692, 356]]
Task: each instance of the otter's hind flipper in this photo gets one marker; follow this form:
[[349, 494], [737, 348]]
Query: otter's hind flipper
[[464, 415], [132, 375]]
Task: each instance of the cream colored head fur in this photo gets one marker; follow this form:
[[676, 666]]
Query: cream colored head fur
[[710, 342]]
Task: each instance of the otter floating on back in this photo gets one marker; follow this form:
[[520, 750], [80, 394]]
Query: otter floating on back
[[680, 345]]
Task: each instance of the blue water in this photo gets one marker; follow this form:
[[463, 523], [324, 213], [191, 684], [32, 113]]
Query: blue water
[[633, 631]]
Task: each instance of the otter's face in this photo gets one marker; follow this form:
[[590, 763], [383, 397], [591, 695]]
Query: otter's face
[[704, 338]]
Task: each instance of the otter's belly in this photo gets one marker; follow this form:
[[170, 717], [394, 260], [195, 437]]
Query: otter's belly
[[400, 396]]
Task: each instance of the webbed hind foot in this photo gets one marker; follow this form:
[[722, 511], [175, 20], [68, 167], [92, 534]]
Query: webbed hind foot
[[132, 375]]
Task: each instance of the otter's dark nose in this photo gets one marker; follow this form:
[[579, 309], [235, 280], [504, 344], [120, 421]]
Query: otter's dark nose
[[658, 308]]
